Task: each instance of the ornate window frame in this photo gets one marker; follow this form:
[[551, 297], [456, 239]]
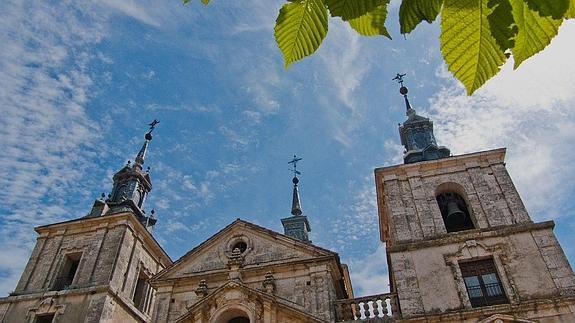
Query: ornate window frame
[[234, 240], [472, 250]]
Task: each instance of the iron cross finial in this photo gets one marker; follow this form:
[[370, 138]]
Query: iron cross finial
[[153, 125], [399, 78], [294, 165]]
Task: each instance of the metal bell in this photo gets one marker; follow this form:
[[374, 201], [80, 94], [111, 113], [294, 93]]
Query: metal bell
[[454, 213]]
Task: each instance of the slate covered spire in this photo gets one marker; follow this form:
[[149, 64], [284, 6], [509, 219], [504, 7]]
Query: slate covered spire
[[131, 187], [295, 204], [297, 225], [416, 134]]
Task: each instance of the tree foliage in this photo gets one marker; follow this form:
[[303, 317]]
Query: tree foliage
[[477, 36]]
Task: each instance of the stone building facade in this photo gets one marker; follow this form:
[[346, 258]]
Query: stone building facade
[[461, 247]]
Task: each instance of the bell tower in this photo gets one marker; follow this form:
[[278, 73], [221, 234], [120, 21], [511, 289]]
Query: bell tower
[[94, 268], [131, 186], [460, 244]]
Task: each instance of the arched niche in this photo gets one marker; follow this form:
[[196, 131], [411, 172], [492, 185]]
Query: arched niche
[[454, 207]]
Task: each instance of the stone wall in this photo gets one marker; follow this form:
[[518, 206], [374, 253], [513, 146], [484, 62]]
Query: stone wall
[[114, 250], [530, 263], [407, 195]]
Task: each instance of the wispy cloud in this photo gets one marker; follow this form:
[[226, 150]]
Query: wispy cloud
[[134, 9], [345, 68], [369, 273], [46, 134], [357, 221]]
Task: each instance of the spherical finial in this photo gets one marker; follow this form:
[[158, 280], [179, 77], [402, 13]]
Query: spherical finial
[[403, 90], [149, 136], [295, 180]]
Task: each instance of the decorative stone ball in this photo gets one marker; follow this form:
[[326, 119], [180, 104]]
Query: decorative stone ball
[[403, 90], [295, 180], [148, 136]]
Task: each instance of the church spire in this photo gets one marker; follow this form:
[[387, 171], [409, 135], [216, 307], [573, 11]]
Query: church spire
[[296, 226], [139, 161], [295, 205], [403, 91], [131, 186], [416, 133]]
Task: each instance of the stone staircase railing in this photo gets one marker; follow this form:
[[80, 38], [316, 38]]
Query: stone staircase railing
[[375, 308]]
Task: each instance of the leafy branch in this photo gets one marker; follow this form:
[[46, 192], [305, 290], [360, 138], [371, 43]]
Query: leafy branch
[[477, 36]]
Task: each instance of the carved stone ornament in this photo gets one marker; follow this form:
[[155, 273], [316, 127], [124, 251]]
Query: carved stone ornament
[[269, 282], [49, 305], [236, 259], [234, 264], [202, 290]]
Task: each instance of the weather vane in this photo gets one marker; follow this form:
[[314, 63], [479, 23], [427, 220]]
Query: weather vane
[[294, 166], [399, 78], [153, 125]]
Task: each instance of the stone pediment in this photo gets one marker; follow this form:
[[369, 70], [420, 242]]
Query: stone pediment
[[235, 298], [262, 247], [504, 318]]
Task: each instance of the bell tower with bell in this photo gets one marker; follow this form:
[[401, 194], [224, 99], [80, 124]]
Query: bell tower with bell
[[460, 243]]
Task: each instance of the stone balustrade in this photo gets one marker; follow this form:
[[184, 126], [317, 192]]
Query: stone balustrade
[[375, 308]]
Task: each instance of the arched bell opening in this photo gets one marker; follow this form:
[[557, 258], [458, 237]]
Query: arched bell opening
[[454, 211]]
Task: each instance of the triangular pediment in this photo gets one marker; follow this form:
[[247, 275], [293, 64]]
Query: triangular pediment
[[263, 246], [234, 295], [504, 318]]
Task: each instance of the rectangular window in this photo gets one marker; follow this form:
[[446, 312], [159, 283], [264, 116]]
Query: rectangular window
[[67, 271], [45, 318], [483, 285], [143, 294]]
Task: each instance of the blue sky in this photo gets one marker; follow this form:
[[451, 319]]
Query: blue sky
[[79, 81]]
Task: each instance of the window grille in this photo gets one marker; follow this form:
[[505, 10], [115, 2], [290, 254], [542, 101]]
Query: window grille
[[482, 282]]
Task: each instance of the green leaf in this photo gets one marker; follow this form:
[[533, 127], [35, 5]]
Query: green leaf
[[412, 12], [300, 28], [534, 31], [372, 23], [350, 9], [571, 11], [554, 8], [470, 51], [501, 23]]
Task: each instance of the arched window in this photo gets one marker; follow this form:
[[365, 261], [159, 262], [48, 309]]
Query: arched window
[[454, 211]]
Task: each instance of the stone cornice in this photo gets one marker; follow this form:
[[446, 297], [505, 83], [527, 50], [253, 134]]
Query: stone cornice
[[476, 234], [127, 219], [164, 281], [92, 290], [490, 156], [468, 315]]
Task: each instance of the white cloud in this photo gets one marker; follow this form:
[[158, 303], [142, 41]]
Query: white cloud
[[369, 273], [133, 9], [345, 68], [46, 135], [357, 221], [530, 111]]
